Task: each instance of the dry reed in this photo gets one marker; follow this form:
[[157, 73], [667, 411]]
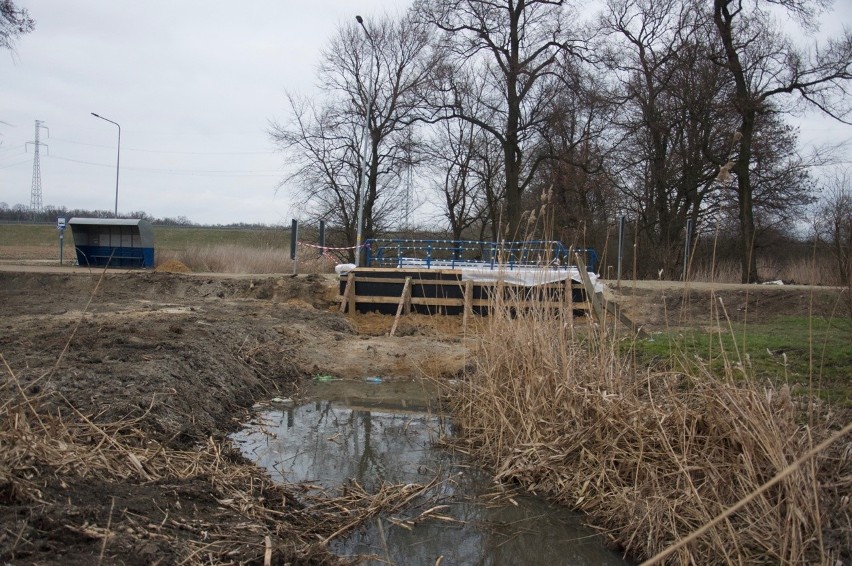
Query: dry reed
[[37, 448], [803, 271], [650, 455], [242, 259]]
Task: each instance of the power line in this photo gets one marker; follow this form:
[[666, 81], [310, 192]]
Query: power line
[[15, 164], [167, 152], [200, 172]]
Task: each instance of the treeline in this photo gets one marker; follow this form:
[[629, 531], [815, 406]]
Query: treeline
[[527, 119], [22, 213]]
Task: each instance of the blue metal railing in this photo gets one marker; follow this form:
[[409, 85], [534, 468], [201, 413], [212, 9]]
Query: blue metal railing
[[460, 253]]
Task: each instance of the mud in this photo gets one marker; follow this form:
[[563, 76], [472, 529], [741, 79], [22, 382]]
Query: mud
[[184, 357]]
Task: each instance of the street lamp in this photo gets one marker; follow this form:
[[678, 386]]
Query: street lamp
[[362, 189], [117, 158]]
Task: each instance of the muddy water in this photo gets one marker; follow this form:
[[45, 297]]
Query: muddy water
[[385, 432]]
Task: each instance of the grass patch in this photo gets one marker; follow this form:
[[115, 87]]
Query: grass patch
[[30, 235], [172, 238], [810, 354], [177, 239], [232, 258]]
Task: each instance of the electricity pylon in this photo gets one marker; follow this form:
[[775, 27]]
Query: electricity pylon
[[35, 194]]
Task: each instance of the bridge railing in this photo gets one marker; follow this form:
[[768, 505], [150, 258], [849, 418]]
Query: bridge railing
[[455, 254]]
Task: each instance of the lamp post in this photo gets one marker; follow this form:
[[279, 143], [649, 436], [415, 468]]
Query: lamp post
[[362, 189], [117, 158]]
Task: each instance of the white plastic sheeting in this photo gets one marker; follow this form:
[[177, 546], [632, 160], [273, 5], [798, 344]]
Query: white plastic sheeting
[[484, 273], [344, 268], [526, 276]]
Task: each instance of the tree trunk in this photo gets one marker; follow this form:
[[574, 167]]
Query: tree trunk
[[748, 260], [511, 148], [746, 106]]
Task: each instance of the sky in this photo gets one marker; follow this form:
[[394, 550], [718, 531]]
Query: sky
[[194, 85]]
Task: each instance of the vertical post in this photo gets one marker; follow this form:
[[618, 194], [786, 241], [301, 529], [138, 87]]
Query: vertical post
[[60, 225], [621, 223], [352, 288], [404, 304], [117, 163], [687, 244], [322, 237], [468, 303], [348, 293], [117, 157], [294, 237]]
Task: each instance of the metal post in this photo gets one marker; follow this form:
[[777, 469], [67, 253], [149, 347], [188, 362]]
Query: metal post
[[687, 244], [117, 158], [60, 225], [294, 237], [322, 237], [621, 224]]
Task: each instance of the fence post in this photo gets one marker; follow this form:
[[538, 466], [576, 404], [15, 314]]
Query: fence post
[[687, 244], [621, 223], [294, 237], [322, 237]]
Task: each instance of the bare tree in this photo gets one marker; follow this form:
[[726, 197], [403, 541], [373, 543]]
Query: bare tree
[[371, 78], [14, 22], [765, 66], [452, 155], [467, 167], [324, 157], [671, 119], [517, 45], [834, 226], [577, 139]]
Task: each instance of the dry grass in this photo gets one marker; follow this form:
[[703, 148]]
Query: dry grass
[[652, 456], [238, 259], [818, 271], [38, 448], [50, 452]]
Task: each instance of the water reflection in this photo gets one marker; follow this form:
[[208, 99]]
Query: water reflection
[[370, 433]]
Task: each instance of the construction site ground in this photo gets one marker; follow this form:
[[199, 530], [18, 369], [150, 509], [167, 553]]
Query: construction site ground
[[185, 356]]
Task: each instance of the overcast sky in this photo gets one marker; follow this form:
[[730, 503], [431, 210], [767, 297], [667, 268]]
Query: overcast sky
[[193, 85]]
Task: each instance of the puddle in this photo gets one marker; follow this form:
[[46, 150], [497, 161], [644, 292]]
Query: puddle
[[375, 432]]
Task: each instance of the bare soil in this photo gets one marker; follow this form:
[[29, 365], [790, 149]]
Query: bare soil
[[184, 358], [656, 305]]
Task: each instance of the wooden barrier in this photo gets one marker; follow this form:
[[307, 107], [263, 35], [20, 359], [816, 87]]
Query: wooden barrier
[[443, 291]]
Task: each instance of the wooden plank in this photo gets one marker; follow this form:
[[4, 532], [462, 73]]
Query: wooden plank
[[353, 300], [459, 302], [468, 303], [431, 301], [349, 290], [406, 307], [591, 296], [401, 280], [408, 270], [403, 300]]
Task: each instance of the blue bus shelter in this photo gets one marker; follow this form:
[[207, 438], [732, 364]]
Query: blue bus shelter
[[113, 242]]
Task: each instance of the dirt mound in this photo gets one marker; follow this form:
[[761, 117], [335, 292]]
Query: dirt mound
[[172, 266], [166, 365]]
